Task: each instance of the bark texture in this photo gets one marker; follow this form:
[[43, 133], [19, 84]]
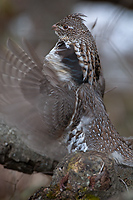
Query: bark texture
[[14, 154], [90, 175]]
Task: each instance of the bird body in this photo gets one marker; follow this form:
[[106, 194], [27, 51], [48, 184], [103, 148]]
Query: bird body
[[57, 103], [95, 130]]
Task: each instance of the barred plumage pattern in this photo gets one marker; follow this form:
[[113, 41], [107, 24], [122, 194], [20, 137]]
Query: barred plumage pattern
[[77, 35]]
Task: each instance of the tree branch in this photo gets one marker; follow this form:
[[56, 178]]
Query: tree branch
[[14, 154], [89, 175]]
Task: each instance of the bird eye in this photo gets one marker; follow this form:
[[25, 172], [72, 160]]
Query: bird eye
[[65, 26]]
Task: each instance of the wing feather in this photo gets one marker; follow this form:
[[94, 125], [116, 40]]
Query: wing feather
[[32, 98]]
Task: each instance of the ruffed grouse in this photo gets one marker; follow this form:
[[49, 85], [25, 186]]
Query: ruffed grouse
[[58, 103]]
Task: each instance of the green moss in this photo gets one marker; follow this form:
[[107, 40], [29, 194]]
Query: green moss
[[90, 197], [85, 195], [52, 193], [74, 163]]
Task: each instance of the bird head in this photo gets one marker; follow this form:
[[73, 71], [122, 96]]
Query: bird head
[[70, 27]]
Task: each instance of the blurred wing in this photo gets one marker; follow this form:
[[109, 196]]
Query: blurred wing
[[21, 98], [20, 80], [49, 73]]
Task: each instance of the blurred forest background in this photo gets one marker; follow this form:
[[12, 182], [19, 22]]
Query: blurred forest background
[[32, 19]]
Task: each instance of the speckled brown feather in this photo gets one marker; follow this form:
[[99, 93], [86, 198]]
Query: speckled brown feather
[[95, 130], [78, 35]]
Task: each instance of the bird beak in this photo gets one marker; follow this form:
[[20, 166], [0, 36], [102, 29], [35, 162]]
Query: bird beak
[[54, 27]]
